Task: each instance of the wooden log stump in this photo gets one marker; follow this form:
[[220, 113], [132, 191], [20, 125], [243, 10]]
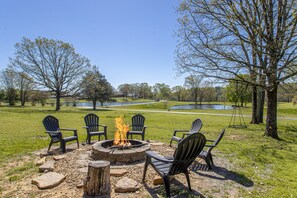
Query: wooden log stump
[[98, 178]]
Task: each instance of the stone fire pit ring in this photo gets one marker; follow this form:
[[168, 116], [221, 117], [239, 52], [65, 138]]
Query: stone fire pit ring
[[103, 151]]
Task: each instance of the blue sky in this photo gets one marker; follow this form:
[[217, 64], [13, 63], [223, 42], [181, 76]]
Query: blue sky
[[131, 41]]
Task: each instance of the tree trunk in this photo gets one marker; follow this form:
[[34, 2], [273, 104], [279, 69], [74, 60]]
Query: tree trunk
[[94, 104], [22, 97], [254, 106], [271, 122], [98, 179], [58, 97], [260, 105]]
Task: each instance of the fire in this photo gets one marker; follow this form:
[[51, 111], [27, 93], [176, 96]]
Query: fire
[[120, 134]]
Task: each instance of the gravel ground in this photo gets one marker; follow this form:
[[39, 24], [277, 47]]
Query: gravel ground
[[219, 182]]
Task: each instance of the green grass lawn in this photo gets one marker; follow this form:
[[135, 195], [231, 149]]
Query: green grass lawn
[[268, 163]]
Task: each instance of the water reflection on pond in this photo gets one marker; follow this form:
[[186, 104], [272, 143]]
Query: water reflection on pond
[[202, 106]]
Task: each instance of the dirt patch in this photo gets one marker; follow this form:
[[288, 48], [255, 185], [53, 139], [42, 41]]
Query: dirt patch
[[219, 182]]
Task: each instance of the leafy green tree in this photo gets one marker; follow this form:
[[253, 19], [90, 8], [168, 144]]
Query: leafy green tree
[[2, 95], [125, 89], [238, 92], [145, 91], [9, 82], [95, 87], [194, 83], [52, 64], [178, 92], [161, 91]]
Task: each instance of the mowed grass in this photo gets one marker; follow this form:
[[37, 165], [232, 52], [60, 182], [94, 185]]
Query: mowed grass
[[268, 164]]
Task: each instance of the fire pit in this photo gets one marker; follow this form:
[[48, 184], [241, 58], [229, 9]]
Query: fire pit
[[104, 150], [120, 149]]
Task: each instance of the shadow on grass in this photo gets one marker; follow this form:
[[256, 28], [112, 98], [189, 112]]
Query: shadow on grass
[[177, 189], [221, 173]]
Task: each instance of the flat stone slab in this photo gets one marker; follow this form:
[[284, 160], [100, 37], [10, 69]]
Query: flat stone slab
[[40, 161], [47, 166], [157, 143], [158, 180], [118, 172], [59, 157], [126, 184], [48, 180]]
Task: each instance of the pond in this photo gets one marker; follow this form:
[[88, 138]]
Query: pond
[[98, 104], [202, 106]]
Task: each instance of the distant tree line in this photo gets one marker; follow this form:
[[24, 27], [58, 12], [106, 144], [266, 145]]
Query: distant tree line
[[45, 68]]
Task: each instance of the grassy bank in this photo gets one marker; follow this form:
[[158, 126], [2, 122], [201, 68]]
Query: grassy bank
[[268, 164]]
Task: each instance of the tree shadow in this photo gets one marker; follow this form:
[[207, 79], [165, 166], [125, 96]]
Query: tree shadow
[[223, 172]]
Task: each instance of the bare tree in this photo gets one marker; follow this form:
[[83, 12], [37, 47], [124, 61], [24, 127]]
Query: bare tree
[[51, 63], [226, 38]]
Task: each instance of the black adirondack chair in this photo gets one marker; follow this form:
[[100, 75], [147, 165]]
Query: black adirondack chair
[[196, 126], [52, 127], [92, 127], [206, 152], [137, 127], [186, 152]]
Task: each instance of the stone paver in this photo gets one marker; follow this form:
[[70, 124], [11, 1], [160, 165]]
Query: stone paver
[[48, 180], [126, 184], [118, 172], [47, 166]]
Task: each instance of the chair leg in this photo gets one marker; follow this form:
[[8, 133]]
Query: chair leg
[[77, 143], [145, 169], [188, 180], [89, 139], [49, 147], [170, 142], [210, 157], [207, 160], [105, 136], [142, 136], [63, 146], [166, 180]]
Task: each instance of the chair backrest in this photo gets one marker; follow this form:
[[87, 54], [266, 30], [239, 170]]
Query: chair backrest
[[186, 152], [220, 137], [138, 122], [92, 122], [51, 123], [196, 126]]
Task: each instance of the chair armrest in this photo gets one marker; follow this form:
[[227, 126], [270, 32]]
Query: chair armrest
[[57, 132], [152, 154], [102, 125], [176, 131], [210, 141], [69, 129], [85, 127]]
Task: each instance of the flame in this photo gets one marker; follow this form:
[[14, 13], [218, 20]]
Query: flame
[[120, 134]]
